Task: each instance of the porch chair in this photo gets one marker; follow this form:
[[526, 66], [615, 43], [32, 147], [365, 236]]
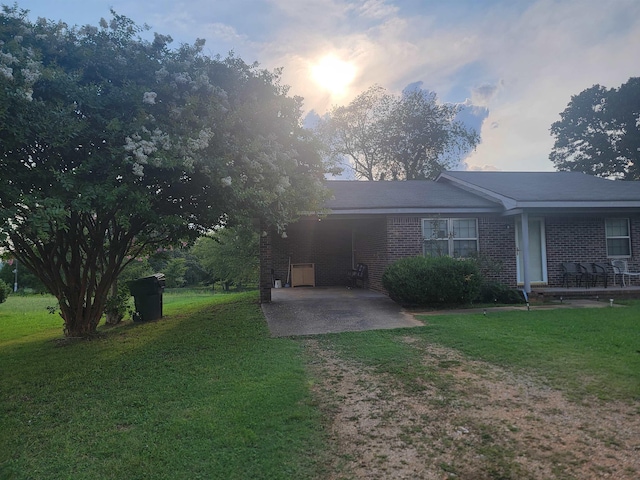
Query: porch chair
[[599, 270], [587, 273], [358, 274], [571, 270], [620, 267]]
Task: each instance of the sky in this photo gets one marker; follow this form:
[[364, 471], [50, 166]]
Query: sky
[[513, 64]]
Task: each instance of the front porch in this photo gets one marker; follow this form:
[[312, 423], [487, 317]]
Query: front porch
[[541, 294]]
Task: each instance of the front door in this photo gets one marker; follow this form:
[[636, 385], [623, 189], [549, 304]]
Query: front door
[[537, 251]]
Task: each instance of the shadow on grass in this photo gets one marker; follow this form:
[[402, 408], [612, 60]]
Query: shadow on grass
[[201, 394]]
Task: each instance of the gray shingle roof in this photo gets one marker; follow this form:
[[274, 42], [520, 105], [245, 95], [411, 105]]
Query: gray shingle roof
[[478, 192], [397, 196], [547, 186], [547, 189]]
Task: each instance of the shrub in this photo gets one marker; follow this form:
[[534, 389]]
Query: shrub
[[117, 305], [5, 290], [491, 292], [421, 281]]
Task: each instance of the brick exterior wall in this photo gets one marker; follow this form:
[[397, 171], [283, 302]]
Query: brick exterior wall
[[405, 237], [266, 259], [334, 245], [583, 239], [371, 249], [497, 244]]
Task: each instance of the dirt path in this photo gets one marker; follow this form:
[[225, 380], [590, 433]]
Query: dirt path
[[470, 420]]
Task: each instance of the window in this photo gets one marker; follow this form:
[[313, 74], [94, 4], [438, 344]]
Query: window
[[618, 237], [455, 237]]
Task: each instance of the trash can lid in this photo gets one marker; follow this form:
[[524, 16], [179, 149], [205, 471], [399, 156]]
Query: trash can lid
[[147, 285]]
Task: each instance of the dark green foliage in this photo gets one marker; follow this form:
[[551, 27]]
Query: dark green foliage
[[229, 255], [5, 290], [599, 133], [421, 281], [114, 146], [118, 303], [496, 292], [27, 281], [181, 268]]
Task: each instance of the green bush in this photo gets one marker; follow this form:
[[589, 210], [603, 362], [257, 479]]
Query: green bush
[[5, 290], [421, 281], [496, 292]]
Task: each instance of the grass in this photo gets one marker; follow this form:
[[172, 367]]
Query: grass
[[206, 393], [581, 351], [202, 393]]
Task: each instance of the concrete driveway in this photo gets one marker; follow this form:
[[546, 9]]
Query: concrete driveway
[[316, 310]]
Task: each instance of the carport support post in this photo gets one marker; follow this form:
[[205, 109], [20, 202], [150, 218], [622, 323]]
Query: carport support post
[[266, 264]]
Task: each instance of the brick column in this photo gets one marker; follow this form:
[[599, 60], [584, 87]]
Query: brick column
[[266, 265]]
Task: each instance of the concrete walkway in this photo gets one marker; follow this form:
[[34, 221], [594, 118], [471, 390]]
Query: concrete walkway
[[311, 311]]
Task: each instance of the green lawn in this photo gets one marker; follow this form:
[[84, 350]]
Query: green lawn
[[587, 351], [203, 393], [581, 351], [206, 393]]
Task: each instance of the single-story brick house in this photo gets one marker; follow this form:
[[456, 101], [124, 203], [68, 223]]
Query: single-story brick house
[[528, 222]]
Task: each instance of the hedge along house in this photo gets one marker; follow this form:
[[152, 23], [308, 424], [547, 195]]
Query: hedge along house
[[525, 223]]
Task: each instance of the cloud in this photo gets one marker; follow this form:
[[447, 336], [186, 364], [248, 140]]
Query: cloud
[[543, 56], [484, 168], [473, 116], [376, 9], [517, 64], [225, 33], [484, 94], [520, 61]]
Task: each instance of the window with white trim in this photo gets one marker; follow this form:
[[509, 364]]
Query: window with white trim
[[618, 235], [455, 237]]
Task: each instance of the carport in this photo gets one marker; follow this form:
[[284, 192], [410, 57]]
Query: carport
[[312, 311], [372, 223]]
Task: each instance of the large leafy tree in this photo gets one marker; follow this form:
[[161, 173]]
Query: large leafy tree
[[599, 132], [229, 255], [112, 146], [397, 137]]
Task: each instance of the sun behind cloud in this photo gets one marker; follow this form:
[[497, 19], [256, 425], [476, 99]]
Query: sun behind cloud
[[333, 74]]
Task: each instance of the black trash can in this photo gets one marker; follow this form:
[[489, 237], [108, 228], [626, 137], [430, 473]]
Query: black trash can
[[147, 295]]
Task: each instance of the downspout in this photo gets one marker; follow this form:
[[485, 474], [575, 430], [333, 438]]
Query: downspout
[[353, 248], [524, 220]]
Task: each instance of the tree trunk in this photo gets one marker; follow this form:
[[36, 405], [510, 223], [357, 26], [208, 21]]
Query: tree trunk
[[84, 325], [82, 310]]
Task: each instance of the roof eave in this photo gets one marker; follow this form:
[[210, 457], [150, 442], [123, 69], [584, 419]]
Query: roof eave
[[579, 204], [507, 202], [414, 211]]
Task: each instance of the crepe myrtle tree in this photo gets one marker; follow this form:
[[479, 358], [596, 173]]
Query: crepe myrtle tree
[[113, 146]]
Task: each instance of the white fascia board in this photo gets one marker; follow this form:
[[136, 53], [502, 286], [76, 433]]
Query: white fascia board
[[412, 211], [587, 204]]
